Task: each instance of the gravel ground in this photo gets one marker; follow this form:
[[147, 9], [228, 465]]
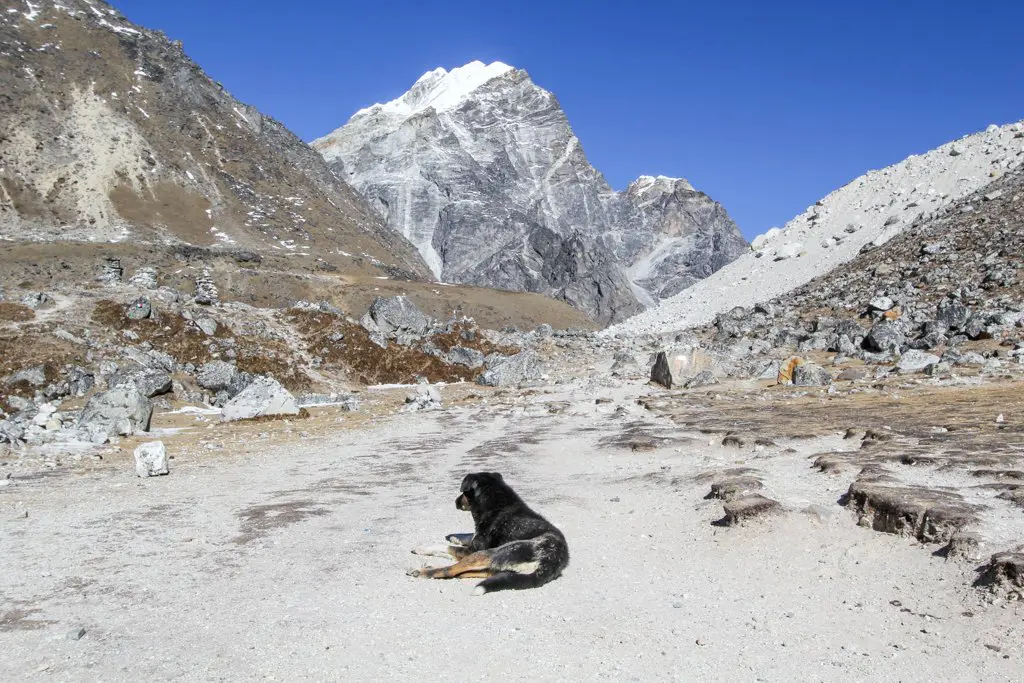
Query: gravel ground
[[287, 561]]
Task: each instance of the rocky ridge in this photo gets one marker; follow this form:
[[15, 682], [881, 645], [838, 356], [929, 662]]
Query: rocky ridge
[[479, 168], [864, 214]]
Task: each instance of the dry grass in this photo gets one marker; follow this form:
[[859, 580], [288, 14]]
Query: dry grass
[[368, 363], [15, 313]]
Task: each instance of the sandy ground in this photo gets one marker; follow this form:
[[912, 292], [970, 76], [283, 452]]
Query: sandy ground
[[282, 556]]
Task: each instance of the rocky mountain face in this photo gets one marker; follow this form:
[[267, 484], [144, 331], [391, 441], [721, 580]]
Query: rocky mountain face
[[115, 143], [947, 289], [480, 170], [862, 215]]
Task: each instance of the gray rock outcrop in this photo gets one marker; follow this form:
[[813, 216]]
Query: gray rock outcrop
[[120, 411], [511, 370], [397, 318], [264, 396], [216, 375]]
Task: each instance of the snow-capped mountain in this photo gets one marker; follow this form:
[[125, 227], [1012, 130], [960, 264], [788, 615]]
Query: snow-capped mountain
[[479, 168], [858, 217]]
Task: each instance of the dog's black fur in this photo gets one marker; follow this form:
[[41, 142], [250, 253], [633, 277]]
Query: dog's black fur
[[512, 545]]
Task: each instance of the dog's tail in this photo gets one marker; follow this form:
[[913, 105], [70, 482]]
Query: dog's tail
[[509, 581]]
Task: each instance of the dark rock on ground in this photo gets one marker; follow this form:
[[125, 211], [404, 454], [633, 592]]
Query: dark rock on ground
[[748, 507], [929, 515]]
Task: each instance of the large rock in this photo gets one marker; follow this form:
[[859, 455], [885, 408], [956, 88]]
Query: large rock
[[809, 374], [151, 459], [11, 431], [122, 410], [952, 314], [673, 368], [264, 396], [503, 371], [425, 397], [396, 317], [886, 336], [915, 361], [461, 355], [35, 376], [148, 381], [216, 375], [140, 309]]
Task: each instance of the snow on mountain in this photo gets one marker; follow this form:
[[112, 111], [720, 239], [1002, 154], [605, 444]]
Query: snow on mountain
[[440, 89], [479, 168], [862, 215]]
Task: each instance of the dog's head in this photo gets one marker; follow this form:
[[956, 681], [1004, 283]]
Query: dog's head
[[475, 488]]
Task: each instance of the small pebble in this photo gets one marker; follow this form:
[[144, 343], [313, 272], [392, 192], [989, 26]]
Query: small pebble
[[76, 633]]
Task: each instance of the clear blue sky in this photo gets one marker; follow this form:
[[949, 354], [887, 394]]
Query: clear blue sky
[[766, 106]]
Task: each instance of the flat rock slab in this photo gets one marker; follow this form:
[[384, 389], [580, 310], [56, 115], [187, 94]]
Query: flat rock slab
[[929, 515], [734, 487], [1004, 569], [745, 508]]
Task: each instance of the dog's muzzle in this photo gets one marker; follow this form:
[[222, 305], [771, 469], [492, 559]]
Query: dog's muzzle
[[462, 502]]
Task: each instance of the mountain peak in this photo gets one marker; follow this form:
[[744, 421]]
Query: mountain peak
[[440, 89]]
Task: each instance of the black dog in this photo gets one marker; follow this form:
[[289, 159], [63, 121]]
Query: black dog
[[513, 546]]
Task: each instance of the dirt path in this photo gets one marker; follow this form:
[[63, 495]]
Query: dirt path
[[287, 563]]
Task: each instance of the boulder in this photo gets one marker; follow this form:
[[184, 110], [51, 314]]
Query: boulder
[[122, 410], [544, 330], [35, 376], [952, 314], [395, 316], [504, 371], [885, 336], [915, 361], [140, 309], [704, 378], [675, 367], [19, 404], [425, 397], [264, 396], [216, 375], [151, 459], [207, 325], [881, 304], [11, 431], [149, 382], [809, 374], [461, 355]]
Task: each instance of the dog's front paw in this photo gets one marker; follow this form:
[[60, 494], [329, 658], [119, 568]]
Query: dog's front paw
[[414, 572]]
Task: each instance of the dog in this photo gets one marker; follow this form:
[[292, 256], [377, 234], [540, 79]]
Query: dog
[[512, 546]]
